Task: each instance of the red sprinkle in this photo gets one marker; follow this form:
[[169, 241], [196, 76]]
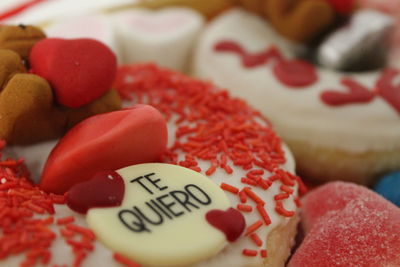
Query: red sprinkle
[[244, 208], [66, 220], [125, 261], [263, 253], [264, 215], [256, 239], [282, 211], [249, 252], [229, 188], [253, 196], [254, 227]]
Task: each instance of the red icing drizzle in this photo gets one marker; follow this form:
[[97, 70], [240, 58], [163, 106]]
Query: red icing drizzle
[[356, 94], [105, 189], [293, 73], [298, 73], [389, 91], [231, 222], [249, 60]]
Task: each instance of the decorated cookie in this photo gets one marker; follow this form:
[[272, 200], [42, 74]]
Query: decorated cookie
[[79, 70], [310, 106], [20, 39], [141, 133], [388, 186], [166, 36], [348, 225], [161, 214]]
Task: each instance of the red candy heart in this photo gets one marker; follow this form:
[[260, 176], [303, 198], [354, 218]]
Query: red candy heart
[[79, 70], [356, 94], [389, 91], [105, 189], [348, 225], [231, 222], [105, 142], [295, 73]]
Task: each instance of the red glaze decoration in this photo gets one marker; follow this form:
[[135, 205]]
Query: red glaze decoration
[[249, 60], [79, 70], [388, 90], [342, 7], [348, 225], [356, 94], [231, 222], [105, 142], [105, 189], [295, 73]]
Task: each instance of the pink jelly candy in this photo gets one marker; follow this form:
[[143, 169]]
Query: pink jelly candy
[[348, 225]]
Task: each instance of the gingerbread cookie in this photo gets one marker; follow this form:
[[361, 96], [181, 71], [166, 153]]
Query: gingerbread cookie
[[20, 38], [10, 64]]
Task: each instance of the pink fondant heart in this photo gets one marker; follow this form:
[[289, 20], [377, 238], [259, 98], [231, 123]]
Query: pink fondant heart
[[348, 225], [231, 222], [356, 94], [105, 142], [105, 189], [388, 90], [79, 70]]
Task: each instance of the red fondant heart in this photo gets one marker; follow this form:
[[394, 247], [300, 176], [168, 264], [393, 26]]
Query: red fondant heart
[[105, 142], [79, 70], [356, 94], [105, 189], [295, 73], [389, 91], [231, 222]]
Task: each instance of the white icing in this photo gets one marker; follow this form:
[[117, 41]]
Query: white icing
[[297, 114]]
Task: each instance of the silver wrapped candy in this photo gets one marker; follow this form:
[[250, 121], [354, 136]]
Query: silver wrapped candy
[[361, 45]]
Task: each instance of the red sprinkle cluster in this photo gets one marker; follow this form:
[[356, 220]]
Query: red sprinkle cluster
[[221, 130], [21, 231]]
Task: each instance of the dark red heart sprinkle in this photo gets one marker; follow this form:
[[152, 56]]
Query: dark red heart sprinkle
[[105, 189], [231, 222]]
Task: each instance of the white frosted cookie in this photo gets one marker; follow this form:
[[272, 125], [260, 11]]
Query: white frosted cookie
[[339, 125], [234, 166]]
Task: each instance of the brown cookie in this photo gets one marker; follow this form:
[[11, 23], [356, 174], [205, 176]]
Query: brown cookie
[[299, 20], [10, 64], [20, 38], [110, 101], [27, 113]]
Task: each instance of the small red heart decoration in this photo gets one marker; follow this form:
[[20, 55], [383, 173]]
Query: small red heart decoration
[[295, 73], [105, 189], [107, 141], [356, 94], [231, 222], [386, 89], [79, 70]]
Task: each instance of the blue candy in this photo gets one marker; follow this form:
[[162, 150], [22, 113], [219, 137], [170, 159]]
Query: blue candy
[[389, 187]]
